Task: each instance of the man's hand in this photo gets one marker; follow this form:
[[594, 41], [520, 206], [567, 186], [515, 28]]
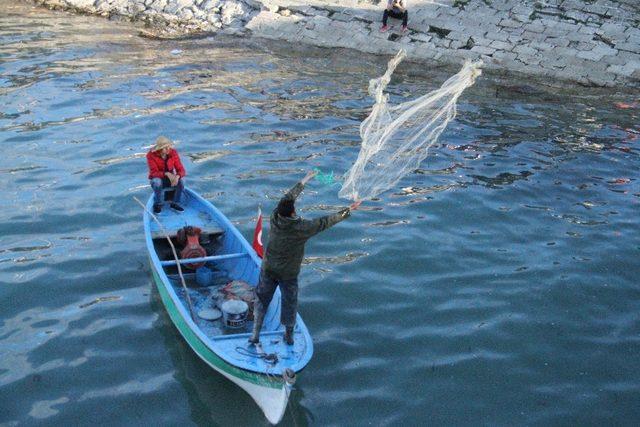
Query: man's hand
[[397, 5], [355, 205], [309, 176], [173, 178]]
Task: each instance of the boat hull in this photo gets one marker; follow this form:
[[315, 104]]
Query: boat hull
[[270, 392]]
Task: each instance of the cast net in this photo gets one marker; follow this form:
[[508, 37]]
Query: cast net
[[396, 139]]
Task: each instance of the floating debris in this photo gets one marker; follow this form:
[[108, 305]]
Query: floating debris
[[100, 299], [625, 106], [620, 181]]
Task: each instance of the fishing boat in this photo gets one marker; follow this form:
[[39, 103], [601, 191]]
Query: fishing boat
[[266, 371]]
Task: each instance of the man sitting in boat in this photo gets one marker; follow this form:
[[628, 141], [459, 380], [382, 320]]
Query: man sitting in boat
[[165, 170], [288, 234]]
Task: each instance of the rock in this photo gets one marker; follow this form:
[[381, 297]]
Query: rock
[[210, 4], [422, 37], [497, 44], [525, 50], [510, 23], [173, 6], [169, 17], [83, 4], [627, 70], [158, 5], [199, 14], [270, 7], [483, 50], [214, 19], [136, 8], [103, 6], [232, 11], [596, 54], [185, 14]]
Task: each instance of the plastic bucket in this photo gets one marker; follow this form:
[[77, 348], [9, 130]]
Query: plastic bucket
[[234, 313], [204, 276]]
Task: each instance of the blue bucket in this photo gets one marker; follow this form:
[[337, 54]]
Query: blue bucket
[[204, 276]]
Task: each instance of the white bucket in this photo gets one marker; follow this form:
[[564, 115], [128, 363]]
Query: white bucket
[[234, 313]]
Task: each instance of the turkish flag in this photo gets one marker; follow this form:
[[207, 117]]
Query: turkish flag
[[257, 236]]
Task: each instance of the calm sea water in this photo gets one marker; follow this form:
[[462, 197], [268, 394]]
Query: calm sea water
[[497, 285]]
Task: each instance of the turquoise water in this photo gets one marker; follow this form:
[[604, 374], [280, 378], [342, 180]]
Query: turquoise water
[[496, 285]]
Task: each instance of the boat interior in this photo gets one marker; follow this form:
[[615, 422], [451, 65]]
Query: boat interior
[[232, 271], [226, 260]]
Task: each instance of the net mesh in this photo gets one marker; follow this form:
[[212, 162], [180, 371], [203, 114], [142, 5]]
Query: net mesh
[[396, 139]]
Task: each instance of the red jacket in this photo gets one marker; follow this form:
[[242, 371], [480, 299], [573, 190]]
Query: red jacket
[[158, 166]]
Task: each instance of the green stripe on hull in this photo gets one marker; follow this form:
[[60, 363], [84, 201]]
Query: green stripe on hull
[[201, 348]]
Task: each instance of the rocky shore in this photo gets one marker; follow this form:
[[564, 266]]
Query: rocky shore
[[590, 42]]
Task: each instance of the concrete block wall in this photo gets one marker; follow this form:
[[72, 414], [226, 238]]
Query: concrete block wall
[[591, 42]]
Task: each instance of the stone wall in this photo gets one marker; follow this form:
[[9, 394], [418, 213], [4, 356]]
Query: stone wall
[[169, 18], [592, 42]]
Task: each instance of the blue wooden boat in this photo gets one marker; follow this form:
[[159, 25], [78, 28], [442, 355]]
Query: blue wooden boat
[[267, 371]]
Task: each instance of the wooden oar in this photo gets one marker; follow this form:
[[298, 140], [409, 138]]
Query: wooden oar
[[175, 256]]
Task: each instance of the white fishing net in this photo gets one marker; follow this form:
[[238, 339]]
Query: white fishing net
[[396, 139]]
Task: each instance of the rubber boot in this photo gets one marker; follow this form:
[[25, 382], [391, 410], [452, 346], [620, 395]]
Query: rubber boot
[[258, 318], [288, 335]]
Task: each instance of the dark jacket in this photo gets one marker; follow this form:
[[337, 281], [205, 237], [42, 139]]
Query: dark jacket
[[287, 236], [158, 166]]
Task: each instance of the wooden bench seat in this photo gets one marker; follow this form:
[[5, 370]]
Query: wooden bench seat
[[204, 259], [211, 231]]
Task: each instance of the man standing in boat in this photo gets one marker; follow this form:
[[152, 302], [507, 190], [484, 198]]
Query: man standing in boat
[[288, 234], [165, 170]]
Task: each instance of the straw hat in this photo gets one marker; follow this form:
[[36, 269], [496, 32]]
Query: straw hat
[[162, 142]]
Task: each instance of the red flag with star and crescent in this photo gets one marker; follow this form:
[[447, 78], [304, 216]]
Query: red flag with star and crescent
[[257, 236]]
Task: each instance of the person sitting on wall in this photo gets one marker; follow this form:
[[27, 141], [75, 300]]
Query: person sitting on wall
[[395, 9], [165, 170]]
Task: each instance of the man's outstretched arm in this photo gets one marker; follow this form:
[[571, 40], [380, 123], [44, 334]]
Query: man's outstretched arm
[[295, 191], [313, 227]]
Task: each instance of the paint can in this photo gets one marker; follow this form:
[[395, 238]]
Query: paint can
[[234, 313], [210, 314]]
